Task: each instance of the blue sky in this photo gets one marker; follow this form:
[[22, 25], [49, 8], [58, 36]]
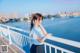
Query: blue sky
[[43, 6]]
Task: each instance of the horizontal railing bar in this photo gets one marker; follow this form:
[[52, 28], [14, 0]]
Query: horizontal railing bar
[[15, 28], [65, 41]]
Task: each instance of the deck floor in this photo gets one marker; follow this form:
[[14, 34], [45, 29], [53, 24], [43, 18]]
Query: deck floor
[[10, 48]]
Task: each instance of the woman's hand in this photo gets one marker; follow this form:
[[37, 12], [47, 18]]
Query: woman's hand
[[48, 35], [40, 39], [43, 39]]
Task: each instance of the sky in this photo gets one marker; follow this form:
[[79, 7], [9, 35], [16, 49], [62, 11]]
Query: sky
[[42, 6]]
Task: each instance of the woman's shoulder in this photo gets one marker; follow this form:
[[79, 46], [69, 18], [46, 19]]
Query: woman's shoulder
[[33, 29]]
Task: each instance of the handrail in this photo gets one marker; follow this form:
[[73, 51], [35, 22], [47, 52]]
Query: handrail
[[61, 40], [57, 39], [65, 41], [10, 27]]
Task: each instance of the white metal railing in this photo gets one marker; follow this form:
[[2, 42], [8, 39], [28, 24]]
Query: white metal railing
[[13, 37], [56, 48], [21, 40]]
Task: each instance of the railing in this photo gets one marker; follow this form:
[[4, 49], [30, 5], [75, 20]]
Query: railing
[[56, 49], [20, 39]]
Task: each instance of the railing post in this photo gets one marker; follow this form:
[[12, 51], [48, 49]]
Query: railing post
[[10, 41], [62, 51], [55, 50], [1, 33], [50, 49], [45, 48]]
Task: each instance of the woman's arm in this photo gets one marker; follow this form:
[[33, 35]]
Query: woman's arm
[[43, 30], [41, 39], [45, 33]]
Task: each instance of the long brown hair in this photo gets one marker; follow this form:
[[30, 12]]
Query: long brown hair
[[35, 17]]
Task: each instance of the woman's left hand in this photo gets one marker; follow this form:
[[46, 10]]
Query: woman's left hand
[[48, 35]]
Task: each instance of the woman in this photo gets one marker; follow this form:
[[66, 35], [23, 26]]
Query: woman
[[38, 34]]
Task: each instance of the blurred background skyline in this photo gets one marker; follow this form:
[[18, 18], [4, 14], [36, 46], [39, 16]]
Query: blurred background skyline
[[42, 6]]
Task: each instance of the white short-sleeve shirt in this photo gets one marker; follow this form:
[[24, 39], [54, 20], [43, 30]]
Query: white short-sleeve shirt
[[36, 31]]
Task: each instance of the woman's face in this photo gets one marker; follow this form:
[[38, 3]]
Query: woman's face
[[38, 21]]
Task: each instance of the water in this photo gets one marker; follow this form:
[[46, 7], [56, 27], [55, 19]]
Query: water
[[68, 29], [63, 28]]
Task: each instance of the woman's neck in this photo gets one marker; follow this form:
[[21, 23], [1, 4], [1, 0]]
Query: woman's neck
[[36, 25]]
